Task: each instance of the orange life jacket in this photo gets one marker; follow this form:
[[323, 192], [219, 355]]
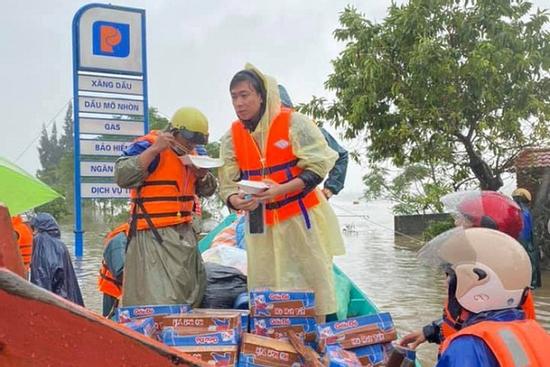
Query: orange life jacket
[[106, 282], [166, 196], [24, 239], [515, 343], [449, 324], [277, 163]]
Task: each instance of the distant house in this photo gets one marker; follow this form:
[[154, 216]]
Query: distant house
[[533, 173]]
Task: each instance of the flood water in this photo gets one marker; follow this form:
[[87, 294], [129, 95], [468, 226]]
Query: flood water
[[382, 265]]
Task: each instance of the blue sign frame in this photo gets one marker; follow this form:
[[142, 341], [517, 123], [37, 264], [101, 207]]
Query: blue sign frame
[[78, 231]]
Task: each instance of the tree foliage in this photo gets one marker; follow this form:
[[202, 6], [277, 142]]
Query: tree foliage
[[462, 86]]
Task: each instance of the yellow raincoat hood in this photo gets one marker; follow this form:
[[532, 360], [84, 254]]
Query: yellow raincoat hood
[[272, 107]]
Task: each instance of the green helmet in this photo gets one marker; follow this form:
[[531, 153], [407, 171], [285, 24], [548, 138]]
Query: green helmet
[[191, 123]]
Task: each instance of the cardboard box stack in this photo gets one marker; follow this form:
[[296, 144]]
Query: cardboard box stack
[[126, 315], [274, 313], [369, 337], [144, 326], [260, 351], [210, 335], [338, 357]]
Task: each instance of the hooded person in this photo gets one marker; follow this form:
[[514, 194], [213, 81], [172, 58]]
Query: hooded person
[[523, 198], [491, 289], [336, 178], [163, 264], [298, 233], [52, 268]]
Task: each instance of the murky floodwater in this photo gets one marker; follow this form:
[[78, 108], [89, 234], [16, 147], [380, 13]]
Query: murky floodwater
[[383, 266]]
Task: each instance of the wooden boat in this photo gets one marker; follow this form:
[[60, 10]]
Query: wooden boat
[[38, 328]]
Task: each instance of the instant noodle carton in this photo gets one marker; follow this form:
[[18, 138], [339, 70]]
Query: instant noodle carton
[[262, 351], [245, 315], [357, 332], [338, 357], [197, 323], [229, 337], [374, 355], [156, 312], [216, 356], [144, 326], [268, 303], [127, 314], [278, 327]]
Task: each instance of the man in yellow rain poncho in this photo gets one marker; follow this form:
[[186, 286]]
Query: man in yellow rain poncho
[[301, 233]]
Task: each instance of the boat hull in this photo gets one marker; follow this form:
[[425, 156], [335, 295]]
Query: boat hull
[[38, 328]]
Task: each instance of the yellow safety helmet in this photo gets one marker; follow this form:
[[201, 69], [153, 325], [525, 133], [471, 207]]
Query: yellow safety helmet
[[192, 124], [521, 192]]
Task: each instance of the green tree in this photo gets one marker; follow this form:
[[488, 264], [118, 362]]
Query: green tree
[[156, 121], [51, 155], [458, 84], [66, 139]]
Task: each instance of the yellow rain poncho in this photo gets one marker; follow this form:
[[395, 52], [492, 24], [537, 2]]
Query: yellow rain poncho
[[288, 255]]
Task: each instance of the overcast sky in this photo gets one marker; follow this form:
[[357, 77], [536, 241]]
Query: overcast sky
[[194, 48]]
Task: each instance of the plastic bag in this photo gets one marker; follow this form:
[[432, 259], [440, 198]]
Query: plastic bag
[[225, 284], [228, 256]]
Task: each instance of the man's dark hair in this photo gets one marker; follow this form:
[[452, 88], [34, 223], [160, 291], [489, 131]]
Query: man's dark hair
[[251, 77]]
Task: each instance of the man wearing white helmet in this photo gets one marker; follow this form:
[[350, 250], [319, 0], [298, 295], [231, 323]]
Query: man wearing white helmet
[[491, 288], [163, 264]]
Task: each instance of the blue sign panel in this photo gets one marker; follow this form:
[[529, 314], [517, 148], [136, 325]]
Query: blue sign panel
[[109, 57]]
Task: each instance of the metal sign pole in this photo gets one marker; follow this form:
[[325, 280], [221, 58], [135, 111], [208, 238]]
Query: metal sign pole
[[109, 97], [78, 233]]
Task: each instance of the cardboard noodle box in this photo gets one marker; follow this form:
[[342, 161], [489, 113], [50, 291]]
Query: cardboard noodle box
[[245, 314], [127, 314], [338, 357], [262, 351], [268, 303], [357, 332], [170, 337], [217, 356], [278, 327], [373, 355], [144, 326], [201, 322]]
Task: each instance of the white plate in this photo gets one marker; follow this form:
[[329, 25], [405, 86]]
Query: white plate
[[252, 187], [202, 161]]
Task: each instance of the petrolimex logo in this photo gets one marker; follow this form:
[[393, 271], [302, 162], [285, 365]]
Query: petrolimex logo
[[111, 39]]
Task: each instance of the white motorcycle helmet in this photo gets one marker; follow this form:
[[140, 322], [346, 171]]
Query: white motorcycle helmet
[[492, 269]]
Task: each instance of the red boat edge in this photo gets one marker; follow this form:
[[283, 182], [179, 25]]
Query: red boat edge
[[39, 328]]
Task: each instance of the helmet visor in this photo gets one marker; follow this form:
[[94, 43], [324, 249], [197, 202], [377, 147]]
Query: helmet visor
[[448, 249], [193, 136]]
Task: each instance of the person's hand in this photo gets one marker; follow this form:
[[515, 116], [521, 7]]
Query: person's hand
[[413, 340], [163, 141], [198, 172], [239, 202], [328, 194], [273, 191]]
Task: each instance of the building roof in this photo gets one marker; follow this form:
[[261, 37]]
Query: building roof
[[533, 158]]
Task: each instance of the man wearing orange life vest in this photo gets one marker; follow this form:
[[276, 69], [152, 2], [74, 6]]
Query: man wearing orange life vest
[[110, 277], [488, 209], [23, 233], [489, 274], [297, 233], [163, 265]]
